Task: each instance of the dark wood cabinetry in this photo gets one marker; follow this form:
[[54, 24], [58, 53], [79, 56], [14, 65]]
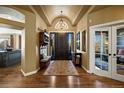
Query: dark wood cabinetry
[[77, 58], [43, 43], [43, 38]]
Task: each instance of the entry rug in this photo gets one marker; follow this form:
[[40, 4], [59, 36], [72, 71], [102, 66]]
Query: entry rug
[[61, 67]]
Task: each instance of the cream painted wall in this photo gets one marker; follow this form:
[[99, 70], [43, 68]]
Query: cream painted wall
[[109, 14], [83, 26], [32, 41], [30, 55], [112, 13], [39, 24], [29, 44]]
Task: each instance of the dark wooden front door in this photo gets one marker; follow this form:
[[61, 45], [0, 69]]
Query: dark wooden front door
[[61, 46]]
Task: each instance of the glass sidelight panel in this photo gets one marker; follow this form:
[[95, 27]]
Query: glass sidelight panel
[[120, 51], [70, 39], [52, 45], [101, 50]]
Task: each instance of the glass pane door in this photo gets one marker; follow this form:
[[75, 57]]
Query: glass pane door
[[120, 51], [101, 50]]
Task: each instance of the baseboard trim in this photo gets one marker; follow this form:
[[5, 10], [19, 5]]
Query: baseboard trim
[[88, 71], [30, 73]]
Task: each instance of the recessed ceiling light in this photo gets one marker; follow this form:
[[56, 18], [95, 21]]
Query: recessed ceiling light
[[9, 17]]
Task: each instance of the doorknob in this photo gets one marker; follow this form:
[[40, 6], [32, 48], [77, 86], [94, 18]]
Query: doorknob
[[109, 54], [114, 54]]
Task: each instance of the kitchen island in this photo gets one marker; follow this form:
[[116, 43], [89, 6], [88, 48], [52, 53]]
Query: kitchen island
[[9, 58]]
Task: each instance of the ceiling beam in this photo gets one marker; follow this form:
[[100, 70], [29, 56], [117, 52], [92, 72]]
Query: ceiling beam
[[80, 14], [84, 9], [11, 24], [39, 10]]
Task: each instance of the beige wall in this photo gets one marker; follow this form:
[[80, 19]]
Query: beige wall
[[39, 24], [30, 55], [109, 14], [33, 21], [112, 13], [29, 44], [83, 26]]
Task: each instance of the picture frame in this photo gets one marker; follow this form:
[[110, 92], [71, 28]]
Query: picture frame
[[78, 40], [84, 41]]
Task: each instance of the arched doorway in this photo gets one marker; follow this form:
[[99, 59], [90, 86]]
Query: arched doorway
[[11, 26]]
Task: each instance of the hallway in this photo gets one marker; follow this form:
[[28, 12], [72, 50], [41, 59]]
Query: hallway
[[12, 77], [88, 35]]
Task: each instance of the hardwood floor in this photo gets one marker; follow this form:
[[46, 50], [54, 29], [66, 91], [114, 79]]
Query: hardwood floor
[[12, 77]]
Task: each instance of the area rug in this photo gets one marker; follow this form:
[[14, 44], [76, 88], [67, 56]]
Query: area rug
[[61, 67]]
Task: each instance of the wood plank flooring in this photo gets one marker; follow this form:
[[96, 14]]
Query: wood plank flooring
[[12, 77]]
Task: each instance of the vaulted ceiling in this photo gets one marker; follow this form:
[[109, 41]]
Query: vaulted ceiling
[[51, 12], [72, 12], [68, 11]]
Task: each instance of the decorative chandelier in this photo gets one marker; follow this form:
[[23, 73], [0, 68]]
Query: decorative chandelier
[[61, 24]]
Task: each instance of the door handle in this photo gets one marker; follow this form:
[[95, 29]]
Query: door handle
[[109, 54], [114, 54]]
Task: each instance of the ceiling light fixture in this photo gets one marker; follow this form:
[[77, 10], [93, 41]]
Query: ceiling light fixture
[[61, 24]]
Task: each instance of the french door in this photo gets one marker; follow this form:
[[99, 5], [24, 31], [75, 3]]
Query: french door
[[109, 52], [118, 52], [102, 51]]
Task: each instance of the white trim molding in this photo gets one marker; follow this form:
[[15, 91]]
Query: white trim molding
[[91, 29], [108, 24], [30, 73], [88, 71]]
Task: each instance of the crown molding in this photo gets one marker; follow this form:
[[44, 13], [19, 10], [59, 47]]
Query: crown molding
[[80, 14], [40, 11]]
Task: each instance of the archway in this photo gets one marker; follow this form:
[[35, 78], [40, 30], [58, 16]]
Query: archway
[[11, 26]]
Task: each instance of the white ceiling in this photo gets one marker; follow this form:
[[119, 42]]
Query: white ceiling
[[11, 14], [9, 31]]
